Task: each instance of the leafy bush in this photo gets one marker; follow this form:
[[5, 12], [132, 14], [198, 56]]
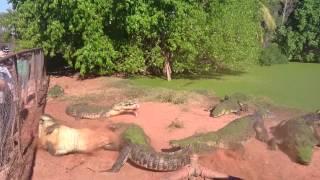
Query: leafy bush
[[300, 36], [272, 55], [139, 37]]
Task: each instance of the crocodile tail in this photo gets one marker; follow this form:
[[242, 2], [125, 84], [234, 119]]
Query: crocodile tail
[[70, 111], [159, 161]]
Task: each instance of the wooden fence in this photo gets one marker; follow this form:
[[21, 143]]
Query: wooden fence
[[23, 88]]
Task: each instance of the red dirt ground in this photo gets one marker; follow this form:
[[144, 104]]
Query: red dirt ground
[[256, 162]]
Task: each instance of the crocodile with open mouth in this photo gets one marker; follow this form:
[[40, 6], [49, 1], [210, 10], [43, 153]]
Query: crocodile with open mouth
[[91, 111], [235, 103]]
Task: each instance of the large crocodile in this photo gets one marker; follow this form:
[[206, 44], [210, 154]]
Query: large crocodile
[[135, 146], [231, 136], [235, 103], [90, 111], [298, 136]]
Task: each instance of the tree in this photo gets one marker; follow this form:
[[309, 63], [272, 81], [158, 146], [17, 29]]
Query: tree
[[234, 33], [300, 36], [137, 36], [288, 8], [6, 27]]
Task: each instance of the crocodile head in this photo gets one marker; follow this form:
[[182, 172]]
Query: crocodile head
[[124, 107], [225, 107], [217, 111], [230, 104]]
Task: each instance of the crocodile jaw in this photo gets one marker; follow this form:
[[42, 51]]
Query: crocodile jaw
[[217, 113], [123, 108]]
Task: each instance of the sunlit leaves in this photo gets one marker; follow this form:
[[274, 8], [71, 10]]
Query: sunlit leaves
[[301, 36], [137, 36]]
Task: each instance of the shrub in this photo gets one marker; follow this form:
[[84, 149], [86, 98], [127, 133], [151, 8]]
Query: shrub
[[272, 55]]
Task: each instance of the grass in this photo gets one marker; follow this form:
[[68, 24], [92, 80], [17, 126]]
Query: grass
[[294, 85]]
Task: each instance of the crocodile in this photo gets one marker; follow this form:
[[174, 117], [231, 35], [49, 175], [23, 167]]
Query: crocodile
[[230, 104], [297, 137], [91, 111], [231, 136], [59, 139], [135, 146]]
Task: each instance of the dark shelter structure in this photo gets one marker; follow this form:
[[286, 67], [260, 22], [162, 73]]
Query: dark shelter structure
[[23, 89]]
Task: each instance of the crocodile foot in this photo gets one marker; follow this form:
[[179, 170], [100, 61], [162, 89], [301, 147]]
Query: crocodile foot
[[194, 169]]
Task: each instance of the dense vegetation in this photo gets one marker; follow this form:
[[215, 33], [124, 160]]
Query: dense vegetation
[[136, 36], [167, 36], [301, 35]]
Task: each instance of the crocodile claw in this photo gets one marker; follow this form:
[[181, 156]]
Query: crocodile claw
[[194, 169]]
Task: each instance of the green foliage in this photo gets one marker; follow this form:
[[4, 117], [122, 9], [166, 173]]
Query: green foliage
[[6, 25], [272, 55], [275, 8], [300, 37], [268, 19], [136, 36], [234, 34]]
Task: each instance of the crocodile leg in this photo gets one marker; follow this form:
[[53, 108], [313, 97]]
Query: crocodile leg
[[77, 118], [122, 159], [261, 131], [244, 107]]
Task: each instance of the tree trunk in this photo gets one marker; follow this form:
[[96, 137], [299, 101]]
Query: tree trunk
[[284, 11], [167, 68]]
